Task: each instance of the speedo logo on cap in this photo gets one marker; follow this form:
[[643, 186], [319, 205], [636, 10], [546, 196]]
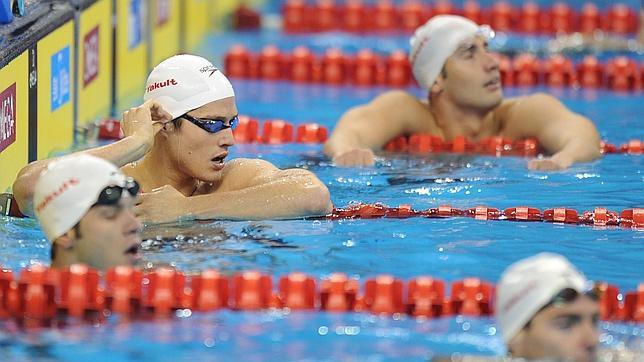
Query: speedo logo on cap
[[165, 83], [209, 69]]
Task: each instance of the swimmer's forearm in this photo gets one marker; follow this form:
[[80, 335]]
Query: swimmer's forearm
[[120, 153], [358, 128], [280, 199], [339, 144], [577, 151]]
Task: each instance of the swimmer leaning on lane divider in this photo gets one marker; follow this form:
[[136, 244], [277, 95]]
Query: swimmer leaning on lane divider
[[451, 62], [175, 145]]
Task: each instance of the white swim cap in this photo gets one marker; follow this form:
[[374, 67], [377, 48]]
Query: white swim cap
[[67, 189], [436, 41], [528, 285], [184, 82]]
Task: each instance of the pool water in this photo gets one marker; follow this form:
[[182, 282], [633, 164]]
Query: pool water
[[449, 249]]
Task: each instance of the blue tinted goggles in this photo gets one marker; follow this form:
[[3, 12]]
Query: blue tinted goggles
[[211, 125]]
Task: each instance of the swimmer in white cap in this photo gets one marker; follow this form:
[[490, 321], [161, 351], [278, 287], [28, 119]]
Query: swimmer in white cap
[[545, 309], [85, 206], [451, 61], [176, 144]]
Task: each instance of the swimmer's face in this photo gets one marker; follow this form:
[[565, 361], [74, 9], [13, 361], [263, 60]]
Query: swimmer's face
[[471, 78], [198, 153], [107, 236], [567, 331]]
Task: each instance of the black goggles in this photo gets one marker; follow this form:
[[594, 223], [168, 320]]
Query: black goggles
[[568, 295], [111, 195], [211, 125]]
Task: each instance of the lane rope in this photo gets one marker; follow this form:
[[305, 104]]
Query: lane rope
[[365, 68], [41, 296], [382, 17], [278, 131], [628, 218]]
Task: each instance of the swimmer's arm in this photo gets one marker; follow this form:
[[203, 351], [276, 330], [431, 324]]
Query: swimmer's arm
[[372, 125], [120, 153], [251, 190], [140, 125], [567, 136]]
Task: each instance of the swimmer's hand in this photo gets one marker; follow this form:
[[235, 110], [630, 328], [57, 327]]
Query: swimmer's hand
[[145, 121], [553, 163], [163, 204], [355, 157]]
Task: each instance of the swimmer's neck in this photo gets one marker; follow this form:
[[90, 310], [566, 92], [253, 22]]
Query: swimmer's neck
[[155, 170], [454, 120]]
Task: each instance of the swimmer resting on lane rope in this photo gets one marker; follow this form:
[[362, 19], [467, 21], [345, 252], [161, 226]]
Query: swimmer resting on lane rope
[[450, 60], [175, 145]]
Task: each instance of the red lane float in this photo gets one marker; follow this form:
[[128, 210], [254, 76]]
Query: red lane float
[[354, 16], [472, 10], [398, 70], [385, 17], [502, 16], [413, 14], [589, 19], [338, 293], [559, 72], [301, 65], [621, 19], [562, 215], [325, 15], [360, 17], [426, 297], [531, 18], [622, 74], [297, 291], [590, 73], [600, 217], [629, 218], [279, 132], [247, 130], [495, 146], [210, 291], [295, 16], [365, 68], [562, 19], [443, 7], [311, 133], [237, 61], [46, 297]]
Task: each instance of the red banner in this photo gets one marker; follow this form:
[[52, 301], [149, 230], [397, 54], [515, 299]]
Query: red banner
[[90, 61], [7, 117]]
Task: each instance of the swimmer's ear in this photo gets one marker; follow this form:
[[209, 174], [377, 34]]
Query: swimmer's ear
[[438, 85], [516, 345], [66, 241], [166, 128]]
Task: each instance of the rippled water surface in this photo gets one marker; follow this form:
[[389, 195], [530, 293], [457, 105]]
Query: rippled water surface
[[449, 249]]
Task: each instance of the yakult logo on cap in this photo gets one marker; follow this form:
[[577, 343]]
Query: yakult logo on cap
[[54, 194], [422, 44], [165, 83]]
